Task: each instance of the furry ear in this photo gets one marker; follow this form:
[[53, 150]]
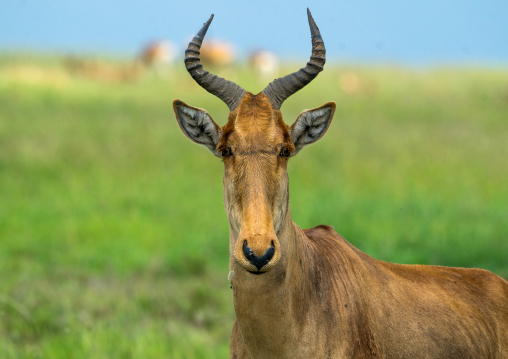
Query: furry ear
[[197, 124], [311, 125]]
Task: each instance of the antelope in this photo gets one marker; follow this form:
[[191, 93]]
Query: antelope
[[218, 53], [264, 63], [157, 53], [102, 71], [309, 293]]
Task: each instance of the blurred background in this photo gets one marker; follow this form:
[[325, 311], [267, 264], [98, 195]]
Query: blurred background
[[113, 237]]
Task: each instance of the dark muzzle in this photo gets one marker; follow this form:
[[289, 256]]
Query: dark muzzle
[[258, 262]]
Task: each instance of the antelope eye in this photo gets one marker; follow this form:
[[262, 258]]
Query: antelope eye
[[284, 152], [226, 152]]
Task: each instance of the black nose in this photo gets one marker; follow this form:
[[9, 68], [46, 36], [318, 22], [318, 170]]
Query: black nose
[[256, 261]]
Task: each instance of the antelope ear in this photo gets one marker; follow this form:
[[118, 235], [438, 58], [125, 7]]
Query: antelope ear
[[311, 125], [197, 124]]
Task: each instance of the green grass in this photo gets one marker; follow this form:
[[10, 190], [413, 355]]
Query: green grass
[[113, 237]]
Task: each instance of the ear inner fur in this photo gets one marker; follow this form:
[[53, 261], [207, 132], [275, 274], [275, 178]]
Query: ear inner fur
[[197, 125], [311, 125]]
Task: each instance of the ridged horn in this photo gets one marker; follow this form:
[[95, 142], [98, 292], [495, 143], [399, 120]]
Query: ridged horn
[[227, 91], [280, 89]]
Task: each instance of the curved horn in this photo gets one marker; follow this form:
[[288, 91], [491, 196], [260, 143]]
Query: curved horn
[[227, 91], [280, 89]]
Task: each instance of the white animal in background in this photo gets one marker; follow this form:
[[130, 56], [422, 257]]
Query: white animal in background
[[264, 63]]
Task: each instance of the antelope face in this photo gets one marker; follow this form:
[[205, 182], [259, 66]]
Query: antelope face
[[255, 146]]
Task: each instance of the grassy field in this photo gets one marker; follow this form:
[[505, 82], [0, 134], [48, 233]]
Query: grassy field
[[113, 238]]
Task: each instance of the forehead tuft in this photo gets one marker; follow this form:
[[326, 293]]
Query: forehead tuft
[[255, 124], [256, 119], [254, 114]]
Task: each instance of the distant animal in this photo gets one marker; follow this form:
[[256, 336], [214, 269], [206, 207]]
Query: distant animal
[[157, 53], [264, 63], [350, 83], [103, 71], [309, 293], [218, 53]]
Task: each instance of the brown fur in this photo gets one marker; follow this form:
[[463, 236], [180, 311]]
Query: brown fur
[[320, 297]]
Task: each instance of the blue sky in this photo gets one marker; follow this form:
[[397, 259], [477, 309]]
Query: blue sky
[[427, 32]]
